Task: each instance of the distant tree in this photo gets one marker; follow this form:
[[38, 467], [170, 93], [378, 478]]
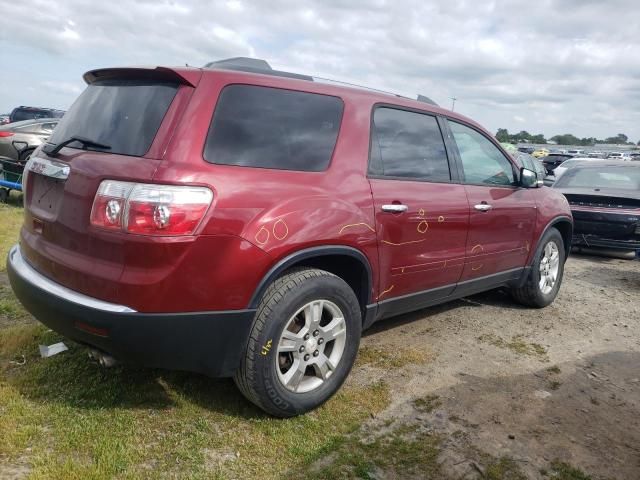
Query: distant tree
[[502, 135], [539, 138], [566, 139], [620, 139]]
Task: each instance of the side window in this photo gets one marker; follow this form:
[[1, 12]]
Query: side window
[[268, 127], [407, 144], [482, 162]]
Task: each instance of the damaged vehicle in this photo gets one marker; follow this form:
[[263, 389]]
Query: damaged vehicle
[[605, 203]]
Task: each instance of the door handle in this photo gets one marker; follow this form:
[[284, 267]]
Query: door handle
[[395, 208], [483, 207]]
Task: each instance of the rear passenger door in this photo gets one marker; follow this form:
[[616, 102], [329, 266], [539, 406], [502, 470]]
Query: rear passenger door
[[503, 215], [421, 214]]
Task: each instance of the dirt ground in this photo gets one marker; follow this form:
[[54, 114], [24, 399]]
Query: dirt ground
[[533, 386]]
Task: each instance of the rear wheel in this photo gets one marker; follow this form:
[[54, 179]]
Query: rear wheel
[[303, 343], [545, 277]]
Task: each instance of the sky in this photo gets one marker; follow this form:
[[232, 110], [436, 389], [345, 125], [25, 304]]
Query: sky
[[550, 66]]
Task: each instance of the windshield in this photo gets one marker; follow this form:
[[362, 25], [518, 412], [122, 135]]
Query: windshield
[[124, 114], [618, 178]]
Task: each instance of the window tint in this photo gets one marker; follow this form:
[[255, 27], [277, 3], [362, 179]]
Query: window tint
[[620, 178], [273, 128], [124, 114], [482, 162], [407, 144]]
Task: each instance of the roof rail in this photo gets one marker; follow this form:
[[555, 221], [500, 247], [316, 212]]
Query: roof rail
[[257, 65]]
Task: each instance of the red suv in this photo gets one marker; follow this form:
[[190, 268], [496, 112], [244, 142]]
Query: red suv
[[239, 221]]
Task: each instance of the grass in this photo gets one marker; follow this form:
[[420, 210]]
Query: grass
[[10, 222], [503, 469], [517, 344], [427, 404], [563, 471], [68, 418], [387, 358], [406, 452]]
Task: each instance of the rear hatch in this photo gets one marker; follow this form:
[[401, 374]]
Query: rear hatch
[[122, 122]]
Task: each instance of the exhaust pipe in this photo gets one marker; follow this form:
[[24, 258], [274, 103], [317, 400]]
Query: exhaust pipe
[[105, 361]]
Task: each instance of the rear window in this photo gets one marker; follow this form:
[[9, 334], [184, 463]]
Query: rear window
[[268, 127], [124, 114], [621, 178]]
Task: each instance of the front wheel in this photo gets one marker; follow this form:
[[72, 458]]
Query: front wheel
[[303, 343], [545, 277]]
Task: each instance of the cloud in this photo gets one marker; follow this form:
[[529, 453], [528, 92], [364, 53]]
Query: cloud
[[563, 65]]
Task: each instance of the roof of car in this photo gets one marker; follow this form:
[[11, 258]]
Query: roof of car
[[250, 74]]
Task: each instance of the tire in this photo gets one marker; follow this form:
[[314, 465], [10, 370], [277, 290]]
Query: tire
[[533, 293], [291, 302]]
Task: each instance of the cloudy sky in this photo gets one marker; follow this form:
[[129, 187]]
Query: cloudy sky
[[550, 66]]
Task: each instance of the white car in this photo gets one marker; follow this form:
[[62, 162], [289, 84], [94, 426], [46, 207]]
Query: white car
[[568, 164], [615, 155]]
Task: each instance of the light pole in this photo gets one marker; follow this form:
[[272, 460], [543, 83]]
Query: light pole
[[453, 103]]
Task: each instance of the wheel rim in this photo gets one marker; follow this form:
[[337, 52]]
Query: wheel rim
[[311, 346], [549, 267]]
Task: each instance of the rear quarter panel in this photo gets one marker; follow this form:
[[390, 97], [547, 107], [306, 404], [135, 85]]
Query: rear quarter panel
[[278, 211]]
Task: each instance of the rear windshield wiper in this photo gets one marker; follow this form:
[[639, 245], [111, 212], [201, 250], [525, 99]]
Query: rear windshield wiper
[[54, 150]]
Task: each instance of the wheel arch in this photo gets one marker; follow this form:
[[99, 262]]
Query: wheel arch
[[565, 226], [348, 263]]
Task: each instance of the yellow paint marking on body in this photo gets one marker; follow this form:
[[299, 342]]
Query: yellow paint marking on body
[[385, 291], [356, 225]]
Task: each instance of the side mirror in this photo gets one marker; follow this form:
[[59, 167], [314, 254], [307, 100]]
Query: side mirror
[[528, 178]]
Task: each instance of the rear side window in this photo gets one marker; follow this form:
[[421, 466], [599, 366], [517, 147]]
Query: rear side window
[[124, 114], [407, 144], [268, 127]]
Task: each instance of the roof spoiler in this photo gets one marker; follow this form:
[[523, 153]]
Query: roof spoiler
[[253, 65], [185, 77]]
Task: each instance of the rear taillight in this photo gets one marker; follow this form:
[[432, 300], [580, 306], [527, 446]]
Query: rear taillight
[[149, 209], [6, 134]]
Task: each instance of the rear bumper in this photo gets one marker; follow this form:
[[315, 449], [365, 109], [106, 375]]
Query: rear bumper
[[590, 240], [207, 342]]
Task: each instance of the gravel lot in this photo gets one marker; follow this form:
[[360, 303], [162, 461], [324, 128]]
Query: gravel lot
[[532, 386]]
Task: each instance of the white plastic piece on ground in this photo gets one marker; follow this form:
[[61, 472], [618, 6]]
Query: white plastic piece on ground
[[51, 350]]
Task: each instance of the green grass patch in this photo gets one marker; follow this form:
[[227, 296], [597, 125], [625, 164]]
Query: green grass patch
[[554, 370], [517, 344], [66, 417], [405, 452], [427, 404], [563, 471], [391, 358], [10, 223], [9, 305], [503, 469]]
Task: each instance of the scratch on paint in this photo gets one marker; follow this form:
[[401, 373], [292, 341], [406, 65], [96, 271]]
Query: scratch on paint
[[423, 226], [402, 243], [355, 225], [386, 291], [440, 219]]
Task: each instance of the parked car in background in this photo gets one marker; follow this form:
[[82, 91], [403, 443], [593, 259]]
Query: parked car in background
[[542, 152], [596, 155], [575, 152], [614, 155], [33, 113], [552, 160], [635, 156], [18, 140], [605, 202], [4, 119], [551, 178], [528, 150], [251, 223], [530, 162]]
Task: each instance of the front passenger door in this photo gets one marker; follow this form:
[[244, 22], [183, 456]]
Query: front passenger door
[[502, 214]]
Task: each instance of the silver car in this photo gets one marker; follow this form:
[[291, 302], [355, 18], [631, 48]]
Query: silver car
[[19, 139]]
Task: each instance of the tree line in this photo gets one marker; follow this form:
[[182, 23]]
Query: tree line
[[504, 136]]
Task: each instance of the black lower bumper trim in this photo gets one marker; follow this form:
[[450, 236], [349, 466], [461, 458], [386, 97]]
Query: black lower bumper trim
[[207, 342]]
